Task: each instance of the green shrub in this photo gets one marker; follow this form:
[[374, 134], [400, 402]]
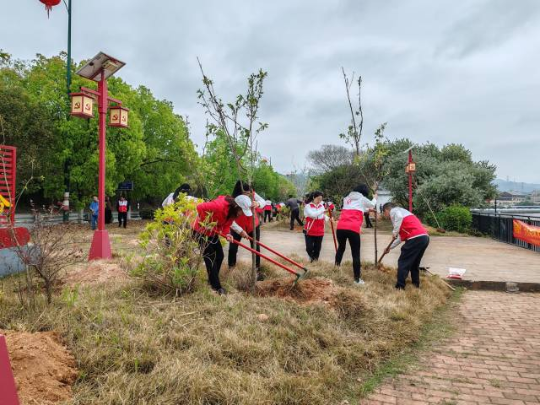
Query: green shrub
[[172, 260], [453, 218]]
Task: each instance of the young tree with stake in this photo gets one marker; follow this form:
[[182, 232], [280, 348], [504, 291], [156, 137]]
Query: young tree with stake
[[238, 123]]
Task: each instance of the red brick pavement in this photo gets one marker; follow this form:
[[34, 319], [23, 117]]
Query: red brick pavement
[[493, 358]]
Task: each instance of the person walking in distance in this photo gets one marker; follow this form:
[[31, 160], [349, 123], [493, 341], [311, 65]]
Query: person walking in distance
[[367, 219], [214, 218], [294, 205], [408, 229], [122, 207], [268, 211], [349, 227], [94, 208], [314, 211]]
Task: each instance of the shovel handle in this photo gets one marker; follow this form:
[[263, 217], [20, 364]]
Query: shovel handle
[[277, 253], [265, 257]]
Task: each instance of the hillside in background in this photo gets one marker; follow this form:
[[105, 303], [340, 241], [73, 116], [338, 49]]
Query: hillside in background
[[505, 185]]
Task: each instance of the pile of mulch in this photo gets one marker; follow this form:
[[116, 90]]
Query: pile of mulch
[[95, 272], [310, 291], [44, 369]]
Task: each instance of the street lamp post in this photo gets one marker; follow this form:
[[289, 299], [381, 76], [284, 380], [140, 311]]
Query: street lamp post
[[49, 4], [410, 169], [99, 69]]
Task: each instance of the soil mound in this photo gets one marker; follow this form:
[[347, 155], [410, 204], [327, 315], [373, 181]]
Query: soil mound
[[95, 272], [318, 289], [44, 370]]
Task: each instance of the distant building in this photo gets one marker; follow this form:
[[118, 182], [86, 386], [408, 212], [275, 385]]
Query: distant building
[[535, 197], [512, 197]]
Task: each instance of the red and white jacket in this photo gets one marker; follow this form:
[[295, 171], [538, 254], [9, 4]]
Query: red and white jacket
[[315, 219], [352, 214], [406, 226], [268, 205], [216, 211]]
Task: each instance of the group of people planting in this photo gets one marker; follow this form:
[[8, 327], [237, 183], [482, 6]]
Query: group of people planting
[[232, 217]]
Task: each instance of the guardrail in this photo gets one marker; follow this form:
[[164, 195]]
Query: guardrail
[[22, 219], [501, 227]]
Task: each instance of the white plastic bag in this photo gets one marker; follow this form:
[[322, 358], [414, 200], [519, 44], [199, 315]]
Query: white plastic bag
[[454, 272]]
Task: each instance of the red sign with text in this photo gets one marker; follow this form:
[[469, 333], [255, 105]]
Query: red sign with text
[[527, 233]]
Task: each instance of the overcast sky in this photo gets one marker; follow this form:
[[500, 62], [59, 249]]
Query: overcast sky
[[441, 71]]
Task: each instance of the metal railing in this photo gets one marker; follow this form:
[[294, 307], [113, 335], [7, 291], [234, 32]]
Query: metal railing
[[501, 227]]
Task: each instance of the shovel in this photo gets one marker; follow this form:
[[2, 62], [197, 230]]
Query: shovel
[[287, 269]]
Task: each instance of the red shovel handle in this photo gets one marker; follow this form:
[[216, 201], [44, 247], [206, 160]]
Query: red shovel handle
[[277, 253], [265, 257]]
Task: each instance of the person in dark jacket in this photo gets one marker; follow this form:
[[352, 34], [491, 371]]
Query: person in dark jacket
[[108, 211], [294, 205]]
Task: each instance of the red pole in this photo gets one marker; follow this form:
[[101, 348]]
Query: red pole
[[101, 246], [8, 389], [410, 183]]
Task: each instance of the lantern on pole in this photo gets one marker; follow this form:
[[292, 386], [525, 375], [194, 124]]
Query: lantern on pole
[[118, 116], [82, 105], [99, 69]]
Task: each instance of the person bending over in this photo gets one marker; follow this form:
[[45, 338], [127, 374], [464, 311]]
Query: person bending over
[[408, 229], [214, 218], [294, 204]]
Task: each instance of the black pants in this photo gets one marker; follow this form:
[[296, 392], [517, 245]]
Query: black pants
[[367, 219], [295, 215], [233, 247], [267, 215], [122, 217], [409, 260], [313, 246], [213, 257], [344, 235]]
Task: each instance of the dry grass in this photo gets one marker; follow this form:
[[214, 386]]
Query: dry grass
[[132, 348]]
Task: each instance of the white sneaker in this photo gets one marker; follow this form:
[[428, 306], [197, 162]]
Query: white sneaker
[[360, 283]]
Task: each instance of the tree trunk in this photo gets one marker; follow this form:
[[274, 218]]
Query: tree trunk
[[375, 236]]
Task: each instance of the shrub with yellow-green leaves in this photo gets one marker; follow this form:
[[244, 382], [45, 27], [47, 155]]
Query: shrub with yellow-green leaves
[[173, 257]]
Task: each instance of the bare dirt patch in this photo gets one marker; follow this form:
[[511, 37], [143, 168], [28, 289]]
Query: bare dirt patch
[[314, 290], [44, 369], [94, 273]]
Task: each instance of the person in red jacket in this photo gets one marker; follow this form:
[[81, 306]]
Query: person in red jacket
[[214, 218], [315, 219], [349, 227], [242, 227], [268, 211], [408, 229]]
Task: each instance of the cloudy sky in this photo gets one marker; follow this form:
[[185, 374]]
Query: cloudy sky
[[440, 71]]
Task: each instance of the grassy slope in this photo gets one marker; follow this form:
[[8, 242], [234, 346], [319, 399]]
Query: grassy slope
[[133, 348]]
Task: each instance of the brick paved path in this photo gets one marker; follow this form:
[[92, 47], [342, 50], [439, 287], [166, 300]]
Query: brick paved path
[[493, 358]]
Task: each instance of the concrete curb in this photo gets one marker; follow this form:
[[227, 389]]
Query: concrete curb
[[495, 285]]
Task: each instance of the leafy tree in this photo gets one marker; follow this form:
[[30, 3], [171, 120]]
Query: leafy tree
[[155, 151]]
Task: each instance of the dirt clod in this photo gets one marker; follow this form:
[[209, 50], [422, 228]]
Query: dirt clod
[[318, 289], [263, 317], [44, 369]]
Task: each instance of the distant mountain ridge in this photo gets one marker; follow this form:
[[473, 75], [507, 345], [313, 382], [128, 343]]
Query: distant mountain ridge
[[504, 185]]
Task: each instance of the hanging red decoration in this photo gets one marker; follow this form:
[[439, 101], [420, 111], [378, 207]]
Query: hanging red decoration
[[49, 4]]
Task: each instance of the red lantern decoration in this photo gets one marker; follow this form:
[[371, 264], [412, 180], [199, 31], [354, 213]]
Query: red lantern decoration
[[49, 4]]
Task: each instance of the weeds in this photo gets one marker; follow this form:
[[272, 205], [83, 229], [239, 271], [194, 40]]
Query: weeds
[[138, 348]]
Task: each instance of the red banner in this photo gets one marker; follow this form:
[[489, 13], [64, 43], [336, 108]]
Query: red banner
[[527, 233]]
